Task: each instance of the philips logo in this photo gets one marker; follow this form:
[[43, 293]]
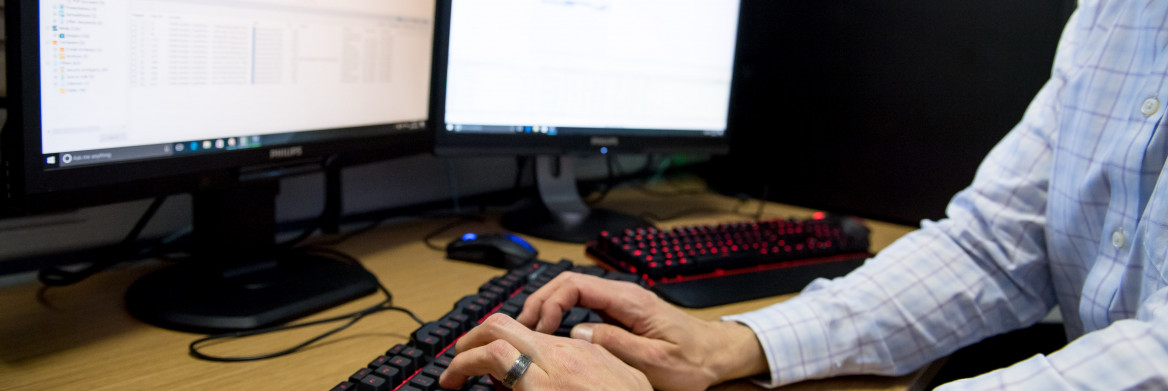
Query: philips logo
[[285, 153], [605, 141]]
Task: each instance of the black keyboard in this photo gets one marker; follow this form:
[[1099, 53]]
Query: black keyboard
[[702, 266], [415, 366]]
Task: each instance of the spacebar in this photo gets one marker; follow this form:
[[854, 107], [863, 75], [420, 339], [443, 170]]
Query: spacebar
[[712, 291]]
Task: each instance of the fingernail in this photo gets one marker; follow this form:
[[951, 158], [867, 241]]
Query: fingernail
[[582, 332]]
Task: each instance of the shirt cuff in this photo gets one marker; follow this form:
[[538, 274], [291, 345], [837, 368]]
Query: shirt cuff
[[794, 340]]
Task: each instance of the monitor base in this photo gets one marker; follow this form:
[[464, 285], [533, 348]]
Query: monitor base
[[211, 297]]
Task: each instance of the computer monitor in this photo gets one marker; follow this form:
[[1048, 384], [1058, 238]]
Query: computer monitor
[[563, 78], [116, 100]]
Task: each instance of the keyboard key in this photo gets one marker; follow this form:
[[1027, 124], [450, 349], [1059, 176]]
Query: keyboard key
[[433, 370], [419, 357], [423, 383], [374, 383], [405, 365], [345, 386], [379, 361], [395, 350], [360, 374], [391, 374]]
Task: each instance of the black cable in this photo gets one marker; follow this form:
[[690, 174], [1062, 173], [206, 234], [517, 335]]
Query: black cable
[[348, 235], [683, 213], [462, 219], [609, 183], [742, 200], [317, 223], [56, 276], [193, 348], [385, 305], [329, 219], [520, 166]]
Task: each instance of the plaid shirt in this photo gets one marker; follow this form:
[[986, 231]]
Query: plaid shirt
[[1070, 208]]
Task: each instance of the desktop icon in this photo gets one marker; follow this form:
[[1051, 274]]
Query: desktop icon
[[178, 147], [206, 144], [219, 144], [51, 159], [231, 142], [194, 146], [66, 158]]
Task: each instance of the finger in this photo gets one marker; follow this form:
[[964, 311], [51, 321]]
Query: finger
[[535, 316], [500, 327], [630, 348], [625, 302], [494, 359]]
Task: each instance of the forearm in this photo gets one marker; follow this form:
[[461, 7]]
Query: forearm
[[1129, 354], [920, 299]]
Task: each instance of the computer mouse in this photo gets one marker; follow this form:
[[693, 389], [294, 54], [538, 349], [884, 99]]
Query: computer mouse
[[495, 249]]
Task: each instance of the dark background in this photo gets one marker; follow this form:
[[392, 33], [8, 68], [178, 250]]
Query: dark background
[[882, 109]]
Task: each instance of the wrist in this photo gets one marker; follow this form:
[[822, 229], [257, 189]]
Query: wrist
[[739, 353]]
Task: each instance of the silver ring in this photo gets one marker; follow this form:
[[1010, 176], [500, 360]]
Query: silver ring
[[517, 370]]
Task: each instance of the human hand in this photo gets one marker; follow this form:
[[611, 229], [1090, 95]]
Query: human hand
[[556, 363], [675, 350]]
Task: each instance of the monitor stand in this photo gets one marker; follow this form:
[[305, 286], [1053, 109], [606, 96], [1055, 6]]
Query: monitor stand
[[562, 215], [239, 279]]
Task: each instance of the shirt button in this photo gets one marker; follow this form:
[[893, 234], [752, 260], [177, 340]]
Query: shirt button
[[1150, 106], [1117, 239]]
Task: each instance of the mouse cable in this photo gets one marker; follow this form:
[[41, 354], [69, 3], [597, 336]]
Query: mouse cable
[[737, 210], [462, 219], [353, 317]]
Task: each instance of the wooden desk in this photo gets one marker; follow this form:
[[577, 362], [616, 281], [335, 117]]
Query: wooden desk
[[82, 338]]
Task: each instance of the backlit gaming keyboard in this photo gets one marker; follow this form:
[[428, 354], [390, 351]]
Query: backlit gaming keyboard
[[415, 366], [702, 266]]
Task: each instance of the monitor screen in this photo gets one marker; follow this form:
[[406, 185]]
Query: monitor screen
[[559, 78], [113, 100], [214, 83], [553, 76]]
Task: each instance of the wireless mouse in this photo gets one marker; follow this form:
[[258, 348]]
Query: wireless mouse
[[497, 249]]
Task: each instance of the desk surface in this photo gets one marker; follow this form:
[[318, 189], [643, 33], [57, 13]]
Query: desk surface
[[81, 337]]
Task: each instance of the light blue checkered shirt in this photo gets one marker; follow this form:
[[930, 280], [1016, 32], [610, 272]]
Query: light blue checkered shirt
[[1071, 208]]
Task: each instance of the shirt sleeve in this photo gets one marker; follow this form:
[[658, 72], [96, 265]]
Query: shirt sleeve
[[981, 271], [1127, 355]]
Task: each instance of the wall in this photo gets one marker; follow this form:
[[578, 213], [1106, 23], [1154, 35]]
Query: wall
[[882, 108]]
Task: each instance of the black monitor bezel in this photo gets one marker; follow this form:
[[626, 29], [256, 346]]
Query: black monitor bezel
[[447, 143], [30, 188]]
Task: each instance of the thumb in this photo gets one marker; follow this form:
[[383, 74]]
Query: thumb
[[628, 347]]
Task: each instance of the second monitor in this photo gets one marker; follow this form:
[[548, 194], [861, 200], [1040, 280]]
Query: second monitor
[[560, 78]]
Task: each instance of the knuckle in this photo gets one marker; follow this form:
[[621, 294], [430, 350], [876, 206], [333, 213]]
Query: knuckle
[[497, 321], [498, 348]]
